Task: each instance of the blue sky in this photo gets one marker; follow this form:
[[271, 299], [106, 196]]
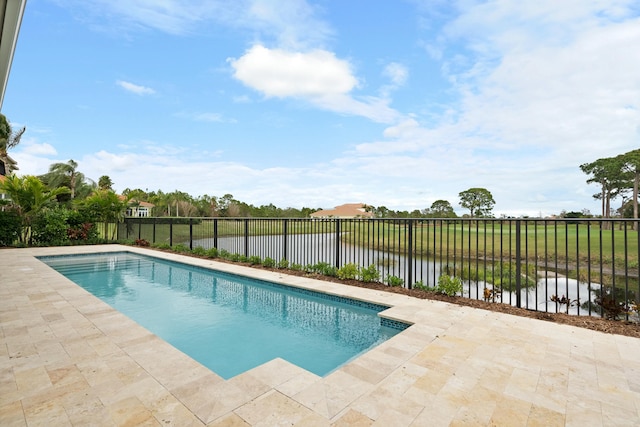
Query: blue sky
[[318, 103]]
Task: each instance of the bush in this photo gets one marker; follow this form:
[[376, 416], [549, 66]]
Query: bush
[[370, 274], [283, 263], [449, 285], [323, 268], [142, 242], [49, 228], [180, 248], [163, 246], [212, 253], [269, 262], [255, 260], [10, 226], [199, 251], [394, 281], [82, 226], [295, 267], [348, 271], [420, 285], [224, 254]]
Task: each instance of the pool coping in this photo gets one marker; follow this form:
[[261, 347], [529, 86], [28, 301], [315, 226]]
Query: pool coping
[[69, 356]]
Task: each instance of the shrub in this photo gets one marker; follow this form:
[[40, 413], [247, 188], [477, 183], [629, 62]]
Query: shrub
[[82, 226], [449, 285], [323, 268], [10, 226], [235, 257], [164, 246], [420, 285], [348, 271], [394, 281], [212, 253], [49, 228], [283, 263], [142, 242], [269, 262], [295, 267], [224, 254], [180, 248], [199, 251], [255, 260], [370, 274], [329, 270]]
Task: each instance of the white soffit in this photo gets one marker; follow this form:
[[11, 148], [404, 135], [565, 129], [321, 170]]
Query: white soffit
[[11, 12]]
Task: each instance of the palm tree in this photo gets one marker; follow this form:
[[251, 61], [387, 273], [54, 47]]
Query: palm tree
[[105, 183], [8, 139], [106, 206], [28, 197], [66, 174]]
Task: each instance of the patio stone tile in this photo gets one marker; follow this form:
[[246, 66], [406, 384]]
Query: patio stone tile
[[352, 418], [220, 399], [274, 409], [276, 372], [11, 414], [171, 412], [543, 417], [510, 411], [131, 412], [32, 379], [303, 380], [47, 413]]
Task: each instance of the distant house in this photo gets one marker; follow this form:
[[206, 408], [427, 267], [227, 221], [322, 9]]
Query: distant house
[[7, 165], [137, 208], [349, 210]]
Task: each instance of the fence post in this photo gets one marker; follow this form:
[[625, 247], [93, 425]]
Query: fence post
[[518, 265], [285, 247], [409, 253], [191, 234], [246, 237], [215, 233], [153, 238], [337, 243], [170, 231], [139, 228]]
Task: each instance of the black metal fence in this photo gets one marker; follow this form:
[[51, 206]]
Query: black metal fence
[[577, 266]]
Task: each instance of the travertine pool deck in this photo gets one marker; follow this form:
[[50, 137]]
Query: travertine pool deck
[[67, 358]]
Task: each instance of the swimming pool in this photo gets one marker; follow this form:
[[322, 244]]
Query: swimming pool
[[227, 322]]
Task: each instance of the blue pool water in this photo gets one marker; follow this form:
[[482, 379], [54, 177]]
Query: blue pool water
[[227, 322]]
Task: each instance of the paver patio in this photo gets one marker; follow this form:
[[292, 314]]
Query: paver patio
[[67, 358]]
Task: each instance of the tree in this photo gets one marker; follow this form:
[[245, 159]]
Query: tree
[[479, 201], [67, 175], [29, 196], [609, 174], [105, 206], [441, 209], [105, 183], [630, 163], [8, 139]]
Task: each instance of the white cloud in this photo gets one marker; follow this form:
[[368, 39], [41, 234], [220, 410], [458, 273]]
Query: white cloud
[[295, 25], [398, 73], [280, 73], [134, 88], [32, 148], [316, 76], [206, 117]]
